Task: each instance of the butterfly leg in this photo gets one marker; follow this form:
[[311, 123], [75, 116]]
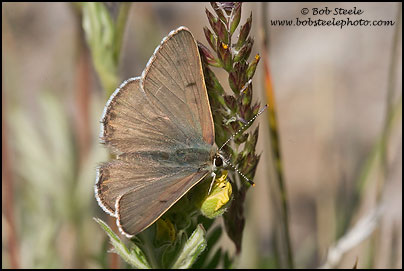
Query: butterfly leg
[[213, 180]]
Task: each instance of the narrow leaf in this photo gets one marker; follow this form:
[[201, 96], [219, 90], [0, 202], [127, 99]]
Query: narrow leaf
[[227, 261], [215, 259], [194, 246], [134, 257], [214, 236]]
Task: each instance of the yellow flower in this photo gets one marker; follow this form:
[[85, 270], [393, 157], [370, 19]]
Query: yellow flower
[[217, 201]]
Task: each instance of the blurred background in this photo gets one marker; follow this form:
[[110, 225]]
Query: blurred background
[[339, 108]]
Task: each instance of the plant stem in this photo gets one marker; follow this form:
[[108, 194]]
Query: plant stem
[[275, 143], [148, 248], [120, 27], [104, 37], [389, 99], [8, 199]]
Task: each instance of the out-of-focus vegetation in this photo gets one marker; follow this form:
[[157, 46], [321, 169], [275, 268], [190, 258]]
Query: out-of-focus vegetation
[[339, 113]]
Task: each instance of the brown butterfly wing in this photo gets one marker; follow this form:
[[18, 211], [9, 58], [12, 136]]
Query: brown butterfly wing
[[131, 123], [144, 138], [174, 77], [143, 172], [146, 121], [140, 207]]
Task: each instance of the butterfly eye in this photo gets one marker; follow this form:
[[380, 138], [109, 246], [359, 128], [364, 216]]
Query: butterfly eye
[[218, 161]]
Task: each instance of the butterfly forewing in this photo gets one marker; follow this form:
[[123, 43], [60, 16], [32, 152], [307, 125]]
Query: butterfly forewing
[[174, 77], [130, 123], [161, 127]]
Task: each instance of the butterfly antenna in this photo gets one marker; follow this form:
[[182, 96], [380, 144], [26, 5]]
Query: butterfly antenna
[[244, 126], [227, 161]]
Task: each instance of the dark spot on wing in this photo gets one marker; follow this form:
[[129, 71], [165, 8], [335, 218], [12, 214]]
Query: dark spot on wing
[[191, 84], [111, 115], [104, 188]]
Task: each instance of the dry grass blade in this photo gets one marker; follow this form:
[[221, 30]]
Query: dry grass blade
[[275, 140]]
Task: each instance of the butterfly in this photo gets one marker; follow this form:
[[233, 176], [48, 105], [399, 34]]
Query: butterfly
[[160, 126]]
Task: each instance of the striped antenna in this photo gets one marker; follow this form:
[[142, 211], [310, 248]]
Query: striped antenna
[[243, 127], [227, 161]]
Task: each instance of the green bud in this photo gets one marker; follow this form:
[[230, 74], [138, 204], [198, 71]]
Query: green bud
[[240, 138], [207, 56], [210, 37], [233, 82], [211, 18], [227, 6], [227, 58], [214, 83], [219, 12], [230, 102], [221, 31], [253, 66], [235, 17], [215, 204], [244, 31], [224, 55]]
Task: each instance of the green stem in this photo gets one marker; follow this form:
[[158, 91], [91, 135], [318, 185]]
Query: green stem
[[275, 143], [148, 248], [389, 100], [120, 27]]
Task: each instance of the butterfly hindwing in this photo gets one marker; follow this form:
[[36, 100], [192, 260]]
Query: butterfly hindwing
[[136, 170], [139, 208]]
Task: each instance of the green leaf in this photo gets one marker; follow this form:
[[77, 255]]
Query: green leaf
[[215, 259], [227, 261], [104, 37], [194, 246], [214, 236], [100, 32], [134, 257]]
